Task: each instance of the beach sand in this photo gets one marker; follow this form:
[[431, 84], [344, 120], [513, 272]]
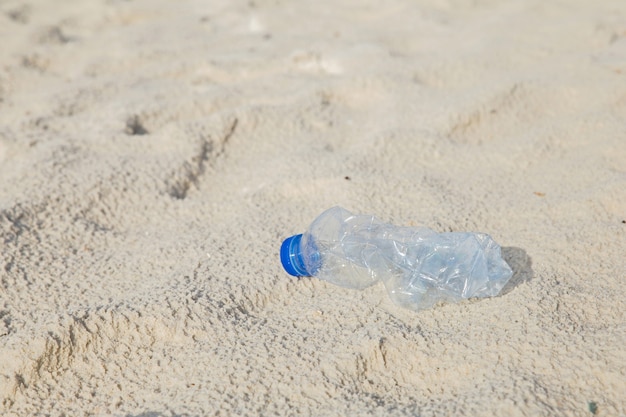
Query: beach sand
[[154, 155]]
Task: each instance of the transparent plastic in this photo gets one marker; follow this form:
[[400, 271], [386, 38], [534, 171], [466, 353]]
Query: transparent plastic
[[418, 266]]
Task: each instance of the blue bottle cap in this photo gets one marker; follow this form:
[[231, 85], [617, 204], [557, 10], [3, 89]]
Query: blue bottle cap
[[291, 257]]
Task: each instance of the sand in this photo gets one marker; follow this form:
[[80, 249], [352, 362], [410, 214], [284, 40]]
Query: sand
[[154, 154]]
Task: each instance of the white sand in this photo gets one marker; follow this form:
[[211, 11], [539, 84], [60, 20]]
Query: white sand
[[154, 154]]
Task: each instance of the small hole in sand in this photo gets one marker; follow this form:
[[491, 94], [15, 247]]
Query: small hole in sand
[[135, 127]]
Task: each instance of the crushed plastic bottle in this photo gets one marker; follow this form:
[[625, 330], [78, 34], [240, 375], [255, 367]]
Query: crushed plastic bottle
[[418, 266]]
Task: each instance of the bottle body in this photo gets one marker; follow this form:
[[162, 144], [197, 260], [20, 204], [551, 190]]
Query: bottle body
[[418, 266]]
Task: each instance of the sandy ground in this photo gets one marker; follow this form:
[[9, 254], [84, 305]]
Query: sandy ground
[[154, 154]]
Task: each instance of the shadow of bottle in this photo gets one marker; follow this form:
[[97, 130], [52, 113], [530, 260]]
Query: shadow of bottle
[[521, 264]]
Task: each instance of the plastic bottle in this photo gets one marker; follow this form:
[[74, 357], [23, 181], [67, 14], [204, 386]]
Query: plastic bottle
[[418, 266]]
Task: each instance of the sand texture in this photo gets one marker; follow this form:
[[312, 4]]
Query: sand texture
[[154, 154]]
